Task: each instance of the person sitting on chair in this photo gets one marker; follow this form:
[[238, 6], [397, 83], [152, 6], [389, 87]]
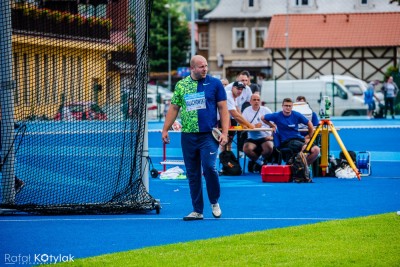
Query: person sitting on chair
[[313, 117], [234, 112], [258, 146], [287, 122]]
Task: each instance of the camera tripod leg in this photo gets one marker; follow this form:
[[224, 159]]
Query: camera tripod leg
[[324, 149], [345, 152], [323, 128], [314, 136]]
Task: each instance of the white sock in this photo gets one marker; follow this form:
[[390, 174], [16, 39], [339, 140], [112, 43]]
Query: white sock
[[260, 160]]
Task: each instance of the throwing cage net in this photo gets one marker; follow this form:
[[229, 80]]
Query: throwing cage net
[[73, 106]]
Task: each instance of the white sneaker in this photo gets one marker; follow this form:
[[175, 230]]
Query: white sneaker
[[216, 210], [350, 172], [340, 173], [345, 172], [193, 216]]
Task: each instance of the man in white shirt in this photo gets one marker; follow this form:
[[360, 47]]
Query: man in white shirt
[[259, 145], [243, 101], [244, 98], [224, 82], [234, 111]]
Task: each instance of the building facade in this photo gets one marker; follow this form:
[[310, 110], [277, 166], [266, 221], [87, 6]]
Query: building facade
[[68, 51], [239, 30]]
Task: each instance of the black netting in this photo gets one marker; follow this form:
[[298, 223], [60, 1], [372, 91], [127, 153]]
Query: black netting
[[73, 106]]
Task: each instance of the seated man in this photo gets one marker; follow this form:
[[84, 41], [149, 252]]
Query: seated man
[[308, 113], [234, 112], [287, 122], [258, 146]]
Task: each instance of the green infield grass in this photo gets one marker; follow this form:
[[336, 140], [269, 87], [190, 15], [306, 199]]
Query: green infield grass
[[363, 241]]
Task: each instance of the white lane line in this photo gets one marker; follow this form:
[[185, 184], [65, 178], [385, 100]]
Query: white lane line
[[171, 219]]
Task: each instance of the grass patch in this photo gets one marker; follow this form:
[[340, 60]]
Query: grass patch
[[364, 241]]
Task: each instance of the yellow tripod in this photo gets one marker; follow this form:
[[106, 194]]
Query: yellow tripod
[[324, 126]]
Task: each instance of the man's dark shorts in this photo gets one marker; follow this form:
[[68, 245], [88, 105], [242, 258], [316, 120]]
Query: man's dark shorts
[[294, 144], [258, 143]]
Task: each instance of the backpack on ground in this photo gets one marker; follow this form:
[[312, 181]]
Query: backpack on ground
[[379, 114], [352, 154], [344, 169], [299, 167], [230, 164]]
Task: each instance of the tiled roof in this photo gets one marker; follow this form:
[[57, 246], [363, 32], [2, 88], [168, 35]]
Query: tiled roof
[[335, 30]]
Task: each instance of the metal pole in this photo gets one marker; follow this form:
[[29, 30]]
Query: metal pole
[[287, 39], [7, 86], [141, 73], [169, 49], [193, 44], [333, 94], [275, 93]]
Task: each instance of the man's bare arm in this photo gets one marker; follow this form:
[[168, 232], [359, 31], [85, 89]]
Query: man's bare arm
[[169, 120]]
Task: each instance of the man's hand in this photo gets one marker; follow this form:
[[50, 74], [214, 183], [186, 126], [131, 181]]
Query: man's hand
[[223, 139], [165, 137], [250, 126]]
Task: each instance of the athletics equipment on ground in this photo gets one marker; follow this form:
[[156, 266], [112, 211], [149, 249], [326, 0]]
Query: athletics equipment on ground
[[325, 126]]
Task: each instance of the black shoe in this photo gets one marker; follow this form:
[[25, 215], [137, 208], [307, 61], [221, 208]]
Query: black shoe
[[257, 168], [268, 159], [250, 166], [19, 184]]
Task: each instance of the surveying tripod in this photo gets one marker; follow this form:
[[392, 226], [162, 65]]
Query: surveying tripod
[[324, 126]]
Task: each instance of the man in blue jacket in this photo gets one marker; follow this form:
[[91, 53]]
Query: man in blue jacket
[[287, 123]]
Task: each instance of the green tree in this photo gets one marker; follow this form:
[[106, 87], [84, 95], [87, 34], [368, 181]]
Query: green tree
[[185, 6], [158, 42]]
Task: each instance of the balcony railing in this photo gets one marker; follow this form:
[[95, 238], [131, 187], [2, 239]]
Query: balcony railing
[[57, 23]]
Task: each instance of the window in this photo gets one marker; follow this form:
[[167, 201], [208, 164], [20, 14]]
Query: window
[[250, 6], [364, 5], [79, 79], [46, 80], [203, 40], [64, 74], [54, 78], [240, 37], [72, 73], [25, 86], [335, 91], [301, 2], [355, 89], [99, 11], [302, 5], [16, 77], [258, 37], [38, 72]]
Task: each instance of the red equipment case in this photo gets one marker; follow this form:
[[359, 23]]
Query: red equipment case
[[276, 174]]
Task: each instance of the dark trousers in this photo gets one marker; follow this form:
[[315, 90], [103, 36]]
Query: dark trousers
[[389, 102], [200, 152]]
